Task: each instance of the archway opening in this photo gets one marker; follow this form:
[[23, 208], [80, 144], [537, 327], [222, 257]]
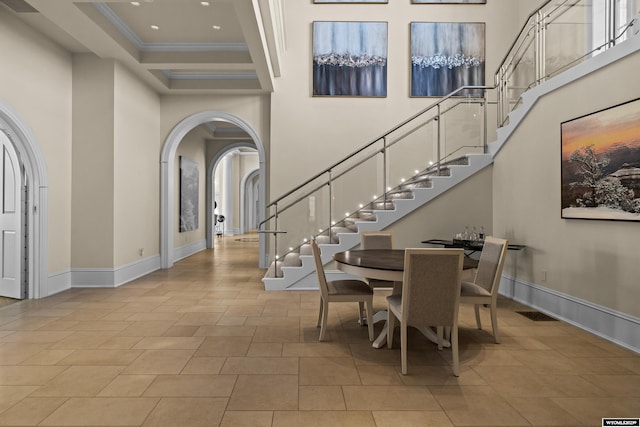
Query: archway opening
[[217, 147]]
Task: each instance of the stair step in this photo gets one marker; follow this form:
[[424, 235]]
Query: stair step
[[383, 206], [400, 194], [366, 215], [444, 171], [292, 259], [417, 183]]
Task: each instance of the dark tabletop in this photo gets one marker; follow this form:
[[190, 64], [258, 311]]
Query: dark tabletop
[[383, 259]]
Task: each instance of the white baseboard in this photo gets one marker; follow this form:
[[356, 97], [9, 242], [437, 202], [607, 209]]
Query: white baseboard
[[113, 277], [604, 322], [187, 250], [58, 282]]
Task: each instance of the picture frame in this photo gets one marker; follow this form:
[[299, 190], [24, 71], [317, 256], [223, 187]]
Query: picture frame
[[189, 195], [449, 1], [446, 56], [351, 1], [600, 164], [349, 58]]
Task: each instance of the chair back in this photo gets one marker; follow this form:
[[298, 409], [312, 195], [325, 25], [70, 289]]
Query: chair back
[[431, 286], [322, 278], [376, 240], [490, 265]]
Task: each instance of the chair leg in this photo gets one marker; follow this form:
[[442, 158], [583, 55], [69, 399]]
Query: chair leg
[[494, 322], [440, 333], [477, 309], [403, 347], [320, 312], [454, 351], [325, 314], [391, 324], [360, 311], [370, 318]]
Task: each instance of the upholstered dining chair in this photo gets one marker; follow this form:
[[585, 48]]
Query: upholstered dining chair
[[430, 297], [377, 240], [340, 291], [483, 290]]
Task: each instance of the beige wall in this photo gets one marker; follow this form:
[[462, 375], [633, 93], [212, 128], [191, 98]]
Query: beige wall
[[332, 127], [469, 204], [592, 260], [115, 166], [93, 163], [36, 83], [137, 169]]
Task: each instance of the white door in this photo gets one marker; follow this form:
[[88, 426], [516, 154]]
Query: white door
[[10, 221]]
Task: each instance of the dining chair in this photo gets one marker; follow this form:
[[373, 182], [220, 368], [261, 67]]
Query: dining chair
[[483, 290], [377, 240], [430, 297], [340, 291]]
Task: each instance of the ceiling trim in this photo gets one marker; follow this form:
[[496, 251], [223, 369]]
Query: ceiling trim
[[173, 75], [124, 29]]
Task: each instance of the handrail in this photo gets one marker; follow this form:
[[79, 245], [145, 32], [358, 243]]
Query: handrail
[[390, 131]]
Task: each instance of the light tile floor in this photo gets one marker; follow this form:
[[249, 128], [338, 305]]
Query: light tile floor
[[203, 344]]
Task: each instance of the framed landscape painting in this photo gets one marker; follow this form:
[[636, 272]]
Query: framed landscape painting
[[446, 56], [349, 58], [601, 164]]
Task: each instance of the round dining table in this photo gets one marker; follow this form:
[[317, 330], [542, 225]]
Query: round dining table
[[384, 264], [381, 264]]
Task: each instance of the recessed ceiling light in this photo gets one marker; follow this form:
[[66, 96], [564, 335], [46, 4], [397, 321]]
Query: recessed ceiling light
[[205, 3], [155, 27], [216, 27], [135, 3]]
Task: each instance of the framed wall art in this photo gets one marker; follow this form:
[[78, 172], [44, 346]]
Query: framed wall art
[[351, 1], [601, 164], [189, 194], [449, 1], [349, 58], [446, 56]]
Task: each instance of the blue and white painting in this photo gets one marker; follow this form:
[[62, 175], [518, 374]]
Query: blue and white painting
[[446, 56], [350, 58], [449, 1], [350, 1]]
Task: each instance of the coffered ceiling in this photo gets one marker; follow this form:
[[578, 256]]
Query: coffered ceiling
[[177, 46]]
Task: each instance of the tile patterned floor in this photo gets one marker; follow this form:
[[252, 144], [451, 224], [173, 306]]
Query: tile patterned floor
[[202, 344]]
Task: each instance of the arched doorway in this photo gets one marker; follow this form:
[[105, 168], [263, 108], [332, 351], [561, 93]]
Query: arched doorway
[[35, 219], [211, 168], [249, 199], [167, 217]]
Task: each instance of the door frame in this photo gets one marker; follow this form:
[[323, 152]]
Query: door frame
[[32, 160], [167, 166]]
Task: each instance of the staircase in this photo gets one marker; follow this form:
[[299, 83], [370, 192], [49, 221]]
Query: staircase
[[296, 269]]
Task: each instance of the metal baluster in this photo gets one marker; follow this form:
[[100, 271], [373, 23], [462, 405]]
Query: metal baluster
[[384, 170], [275, 243], [330, 204], [437, 120]]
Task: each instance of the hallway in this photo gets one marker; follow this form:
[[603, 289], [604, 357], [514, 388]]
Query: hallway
[[202, 344]]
